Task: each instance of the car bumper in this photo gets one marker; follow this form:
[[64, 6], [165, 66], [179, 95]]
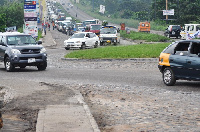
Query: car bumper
[[160, 67], [108, 40], [29, 59]]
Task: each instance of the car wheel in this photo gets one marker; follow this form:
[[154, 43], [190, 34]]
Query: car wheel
[[83, 46], [8, 65], [168, 35], [67, 48], [96, 44], [168, 77], [101, 43], [42, 67]]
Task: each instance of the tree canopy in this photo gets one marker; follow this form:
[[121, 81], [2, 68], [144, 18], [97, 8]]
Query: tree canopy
[[11, 14], [185, 11]]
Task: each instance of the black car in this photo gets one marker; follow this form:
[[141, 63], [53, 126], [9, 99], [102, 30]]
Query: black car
[[21, 50], [180, 60], [173, 31]]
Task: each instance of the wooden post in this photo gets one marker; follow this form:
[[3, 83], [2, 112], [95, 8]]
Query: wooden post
[[166, 10]]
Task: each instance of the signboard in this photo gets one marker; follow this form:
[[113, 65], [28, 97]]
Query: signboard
[[31, 12], [30, 19], [31, 30], [168, 12], [30, 3], [102, 9], [122, 26], [29, 6]]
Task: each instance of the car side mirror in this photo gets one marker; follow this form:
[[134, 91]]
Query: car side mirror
[[198, 54], [39, 42], [2, 43]]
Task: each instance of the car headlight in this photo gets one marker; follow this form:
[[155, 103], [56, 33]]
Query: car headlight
[[15, 51], [43, 50]]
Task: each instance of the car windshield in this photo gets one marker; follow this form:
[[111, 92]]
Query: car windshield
[[21, 40], [89, 22], [108, 31], [176, 27], [95, 27], [79, 35]]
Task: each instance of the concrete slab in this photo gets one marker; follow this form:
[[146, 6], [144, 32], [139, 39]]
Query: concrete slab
[[64, 118]]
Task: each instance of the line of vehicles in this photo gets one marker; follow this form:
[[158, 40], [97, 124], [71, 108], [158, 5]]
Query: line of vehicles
[[85, 34], [93, 34], [182, 32], [88, 34]]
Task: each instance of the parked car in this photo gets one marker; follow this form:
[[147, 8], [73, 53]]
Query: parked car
[[21, 50], [82, 40], [173, 31], [180, 60]]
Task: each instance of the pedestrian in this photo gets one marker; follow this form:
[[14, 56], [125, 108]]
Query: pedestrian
[[53, 24], [49, 26], [44, 28]]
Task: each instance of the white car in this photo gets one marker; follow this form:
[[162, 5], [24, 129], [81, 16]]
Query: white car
[[82, 40]]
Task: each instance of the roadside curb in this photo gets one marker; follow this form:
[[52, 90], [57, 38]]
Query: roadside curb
[[130, 59], [87, 111]]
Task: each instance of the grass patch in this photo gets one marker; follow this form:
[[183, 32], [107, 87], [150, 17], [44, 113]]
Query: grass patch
[[144, 36], [120, 52]]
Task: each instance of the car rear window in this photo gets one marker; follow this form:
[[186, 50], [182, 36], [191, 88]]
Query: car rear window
[[176, 27]]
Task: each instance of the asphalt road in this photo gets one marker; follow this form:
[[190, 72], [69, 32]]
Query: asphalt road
[[115, 90]]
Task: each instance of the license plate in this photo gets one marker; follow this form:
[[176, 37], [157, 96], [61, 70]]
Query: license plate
[[31, 60]]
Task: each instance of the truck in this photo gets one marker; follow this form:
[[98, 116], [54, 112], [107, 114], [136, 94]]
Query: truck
[[144, 27], [93, 21], [190, 29], [109, 35], [95, 28]]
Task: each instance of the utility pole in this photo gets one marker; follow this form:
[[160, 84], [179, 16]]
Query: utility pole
[[93, 5], [155, 10], [166, 10]]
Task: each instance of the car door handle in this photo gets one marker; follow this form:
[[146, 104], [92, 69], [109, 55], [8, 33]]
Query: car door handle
[[189, 62], [171, 60]]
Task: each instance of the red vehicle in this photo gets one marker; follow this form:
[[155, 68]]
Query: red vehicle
[[95, 28]]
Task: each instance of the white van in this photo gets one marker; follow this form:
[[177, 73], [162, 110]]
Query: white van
[[191, 29]]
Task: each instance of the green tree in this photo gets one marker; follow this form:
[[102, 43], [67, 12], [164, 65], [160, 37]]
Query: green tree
[[185, 10], [2, 22], [13, 14]]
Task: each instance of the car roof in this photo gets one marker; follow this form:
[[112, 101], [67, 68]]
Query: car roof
[[196, 41], [95, 24], [84, 32], [12, 33]]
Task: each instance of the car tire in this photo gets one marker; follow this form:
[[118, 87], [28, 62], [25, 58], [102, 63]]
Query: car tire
[[8, 65], [42, 67], [96, 44], [67, 48], [101, 43], [168, 77], [168, 35], [83, 46]]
